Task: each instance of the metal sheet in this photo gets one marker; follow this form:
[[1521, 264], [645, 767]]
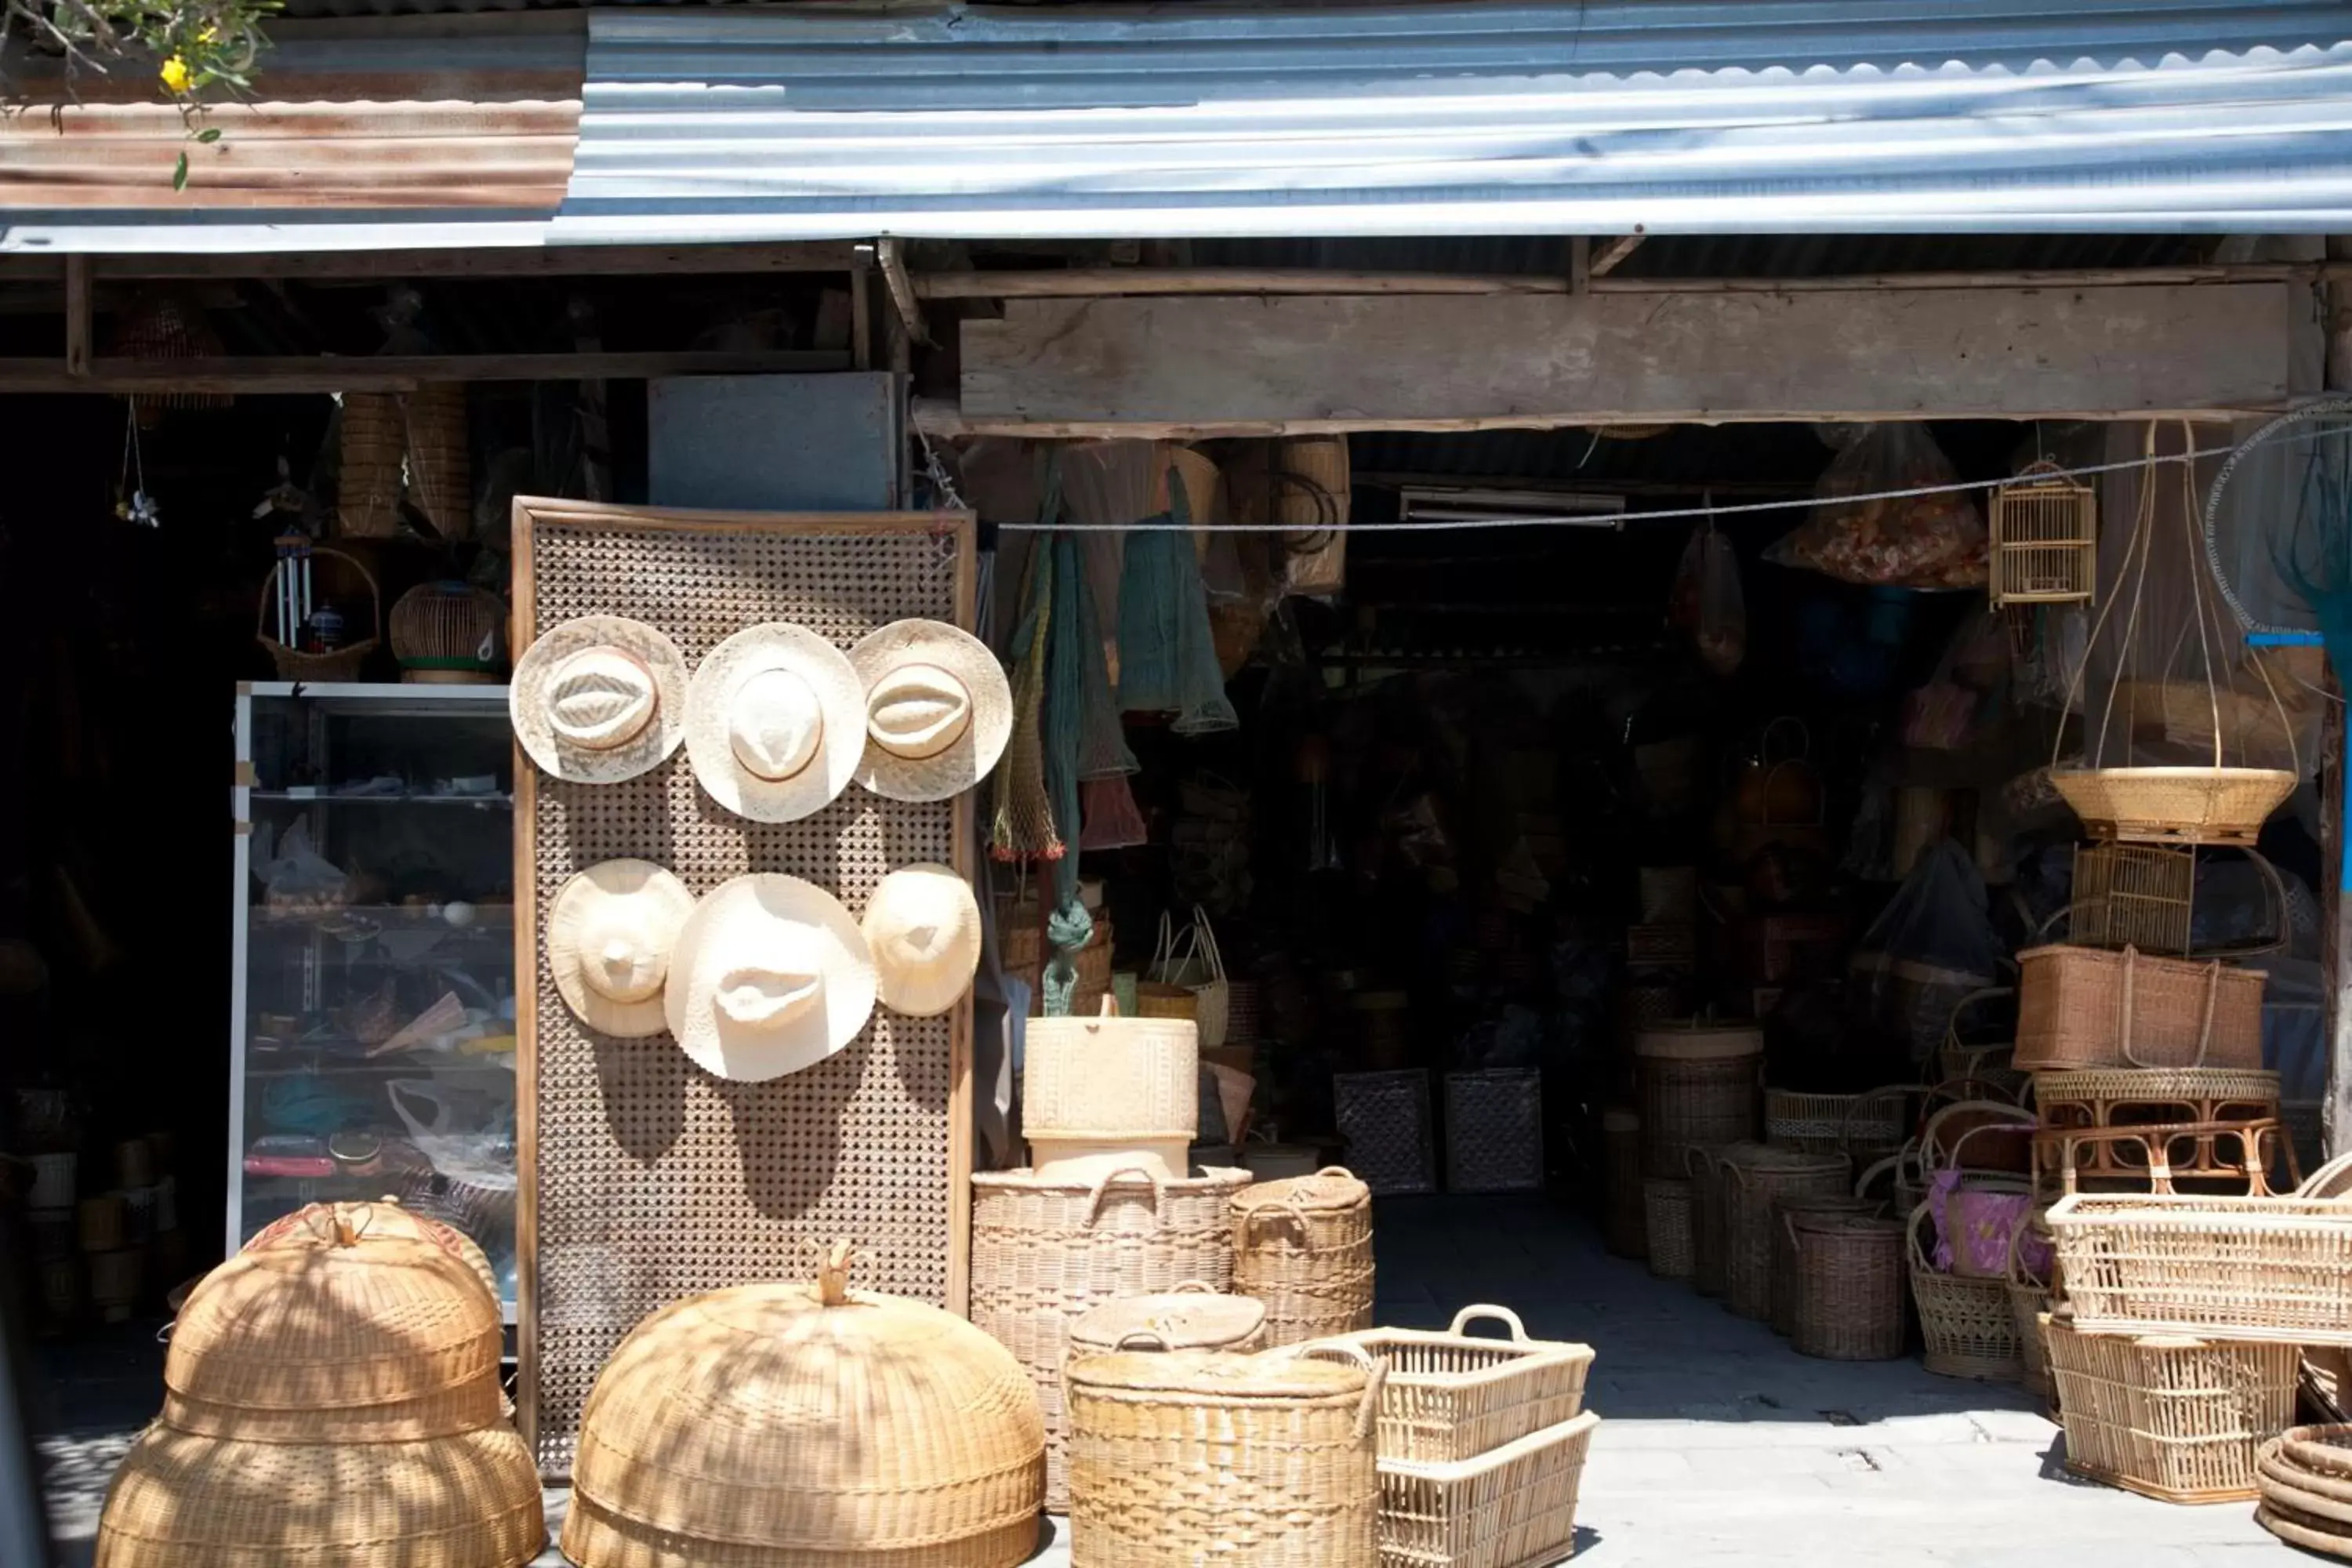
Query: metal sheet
[[773, 443], [1706, 116]]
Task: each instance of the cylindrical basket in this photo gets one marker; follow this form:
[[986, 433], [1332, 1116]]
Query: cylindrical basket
[[449, 633], [1849, 1286], [1303, 1247], [1625, 1215], [1751, 1181], [1786, 1209], [1710, 1248], [1101, 1092], [1190, 1317], [373, 443], [440, 457], [2088, 1007], [1698, 1089], [1666, 1204], [1965, 1320]]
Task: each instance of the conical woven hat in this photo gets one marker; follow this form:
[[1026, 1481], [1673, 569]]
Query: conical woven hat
[[770, 975], [599, 699], [609, 934], [181, 1501], [314, 1224], [775, 722], [938, 709], [794, 1418], [338, 1335], [923, 925]]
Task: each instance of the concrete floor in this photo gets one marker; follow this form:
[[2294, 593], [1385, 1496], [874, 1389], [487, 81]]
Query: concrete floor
[[1718, 1446]]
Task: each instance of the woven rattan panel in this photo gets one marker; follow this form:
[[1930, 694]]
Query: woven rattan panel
[[655, 1180]]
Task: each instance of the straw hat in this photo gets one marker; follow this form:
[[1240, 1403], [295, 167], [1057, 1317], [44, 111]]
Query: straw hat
[[769, 975], [923, 924], [608, 943], [774, 723], [599, 699], [938, 709]]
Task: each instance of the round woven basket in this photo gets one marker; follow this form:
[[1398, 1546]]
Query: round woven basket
[[1667, 1206], [2175, 806], [1785, 1211], [1196, 1457], [1190, 1317], [1849, 1286], [809, 1425], [340, 579], [1303, 1247], [449, 633], [1752, 1179], [1624, 1218], [1699, 1085]]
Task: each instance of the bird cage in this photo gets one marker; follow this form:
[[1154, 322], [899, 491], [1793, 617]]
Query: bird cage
[[2132, 895], [2046, 540]]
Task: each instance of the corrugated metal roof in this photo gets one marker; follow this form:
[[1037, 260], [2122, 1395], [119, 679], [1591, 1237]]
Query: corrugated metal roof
[[1689, 116]]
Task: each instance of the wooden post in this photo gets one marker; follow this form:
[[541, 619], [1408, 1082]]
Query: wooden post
[[1579, 265], [2335, 871], [78, 314]]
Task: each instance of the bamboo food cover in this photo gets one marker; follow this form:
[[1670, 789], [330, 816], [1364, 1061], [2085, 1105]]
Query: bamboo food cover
[[1303, 1246], [807, 1427]]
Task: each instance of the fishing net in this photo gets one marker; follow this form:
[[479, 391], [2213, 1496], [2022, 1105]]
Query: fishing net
[[1167, 653], [1071, 648], [1022, 826], [1113, 821]]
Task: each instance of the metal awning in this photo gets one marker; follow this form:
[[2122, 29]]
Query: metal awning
[[1685, 116]]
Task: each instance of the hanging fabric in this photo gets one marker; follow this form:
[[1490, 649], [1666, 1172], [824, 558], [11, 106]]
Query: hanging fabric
[[1022, 826], [1166, 654], [1070, 647]]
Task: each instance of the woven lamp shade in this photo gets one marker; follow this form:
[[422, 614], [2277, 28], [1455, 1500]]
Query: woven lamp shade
[[790, 1425]]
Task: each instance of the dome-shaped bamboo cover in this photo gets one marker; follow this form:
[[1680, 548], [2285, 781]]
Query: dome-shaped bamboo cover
[[315, 1223], [180, 1500], [367, 1338]]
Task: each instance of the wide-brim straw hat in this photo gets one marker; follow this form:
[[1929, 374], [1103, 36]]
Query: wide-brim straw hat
[[609, 935], [923, 926], [775, 722], [938, 711], [770, 975], [599, 699]]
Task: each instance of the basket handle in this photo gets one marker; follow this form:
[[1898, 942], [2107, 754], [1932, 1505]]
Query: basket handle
[[2205, 1028], [1205, 944], [375, 593], [1192, 1288], [1698, 1163], [1928, 1146], [1804, 740], [1102, 1190], [2016, 1235], [1157, 1340], [1369, 1409], [1290, 1206], [1336, 1171], [1911, 1239], [1487, 1310], [2327, 1181], [1891, 1163]]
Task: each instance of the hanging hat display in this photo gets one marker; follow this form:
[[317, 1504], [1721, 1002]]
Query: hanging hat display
[[599, 699], [775, 722], [769, 975], [609, 934], [923, 926], [939, 710]]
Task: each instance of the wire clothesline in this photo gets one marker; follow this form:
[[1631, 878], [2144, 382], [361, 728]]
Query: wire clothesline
[[1448, 524]]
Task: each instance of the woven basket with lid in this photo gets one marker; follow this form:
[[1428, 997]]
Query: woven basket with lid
[[1199, 1456], [809, 1426], [1849, 1286], [1094, 1088], [1752, 1179], [1786, 1210], [1303, 1246], [1192, 1317], [1699, 1085]]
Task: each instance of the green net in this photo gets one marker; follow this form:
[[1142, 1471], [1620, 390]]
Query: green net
[[1020, 827]]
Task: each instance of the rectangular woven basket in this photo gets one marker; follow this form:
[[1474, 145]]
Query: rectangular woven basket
[[1454, 1396], [2168, 1418], [2086, 1007], [1514, 1507], [2243, 1269]]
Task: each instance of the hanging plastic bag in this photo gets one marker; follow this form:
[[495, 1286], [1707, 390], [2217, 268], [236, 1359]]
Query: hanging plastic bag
[[1932, 945], [1950, 709], [1707, 601], [1897, 542]]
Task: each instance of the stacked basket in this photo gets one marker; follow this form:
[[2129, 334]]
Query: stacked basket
[[1303, 1247], [331, 1398]]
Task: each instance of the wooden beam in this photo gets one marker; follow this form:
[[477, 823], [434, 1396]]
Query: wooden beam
[[902, 292], [512, 261], [78, 315], [395, 373], [2335, 779], [1579, 265], [1239, 366], [1605, 260]]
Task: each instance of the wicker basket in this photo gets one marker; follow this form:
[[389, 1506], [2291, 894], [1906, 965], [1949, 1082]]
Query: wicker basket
[[1303, 1247], [1197, 1456], [1751, 1181], [2029, 1299], [1046, 1252], [2249, 1269], [1624, 1215], [449, 633], [1190, 1317], [1965, 1320], [1156, 999], [2084, 1007], [1662, 948], [2165, 1415], [1698, 1087], [440, 463], [1666, 1204], [1866, 1126], [373, 443], [1786, 1210], [806, 1424], [1494, 1130], [1849, 1286], [1710, 1240], [343, 663], [2304, 1476], [1093, 1087], [314, 1223], [1384, 1118], [1510, 1508], [1455, 1395], [2175, 806]]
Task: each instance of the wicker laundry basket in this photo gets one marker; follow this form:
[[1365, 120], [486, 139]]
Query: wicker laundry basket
[[1752, 1179], [1782, 1229], [1455, 1396], [1624, 1215], [2165, 1415], [1849, 1288], [1303, 1247], [1710, 1240], [1666, 1204], [1700, 1088]]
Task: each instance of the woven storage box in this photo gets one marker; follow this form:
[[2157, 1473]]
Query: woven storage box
[[1494, 1130], [1303, 1247], [2175, 806], [1513, 1506], [1752, 1179], [2086, 1007], [1455, 1396], [1624, 1215], [2167, 1416], [1786, 1210], [1965, 1320], [1849, 1288], [1698, 1089], [807, 1425], [1046, 1252], [1196, 1457], [1190, 1317], [1667, 1226], [1384, 1117]]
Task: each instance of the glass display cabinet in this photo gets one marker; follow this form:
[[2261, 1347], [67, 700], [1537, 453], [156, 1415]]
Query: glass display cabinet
[[373, 1005]]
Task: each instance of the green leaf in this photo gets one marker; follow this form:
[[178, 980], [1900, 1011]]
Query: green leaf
[[180, 173], [209, 134]]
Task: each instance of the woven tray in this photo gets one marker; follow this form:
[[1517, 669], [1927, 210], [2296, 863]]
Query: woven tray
[[645, 1180]]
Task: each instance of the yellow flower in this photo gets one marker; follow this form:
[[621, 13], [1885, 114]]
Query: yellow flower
[[209, 35], [175, 74]]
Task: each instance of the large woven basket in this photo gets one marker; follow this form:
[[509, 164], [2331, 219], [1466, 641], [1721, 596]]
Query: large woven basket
[[2086, 1007], [809, 1425], [1303, 1247], [1698, 1086], [1512, 1507], [1965, 1320], [1666, 1204], [373, 443], [1752, 1179], [440, 458], [2175, 806], [1710, 1240], [1849, 1286], [2167, 1416], [1624, 1215], [1455, 1396], [1197, 1456], [1190, 1317], [1786, 1210], [1045, 1252]]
